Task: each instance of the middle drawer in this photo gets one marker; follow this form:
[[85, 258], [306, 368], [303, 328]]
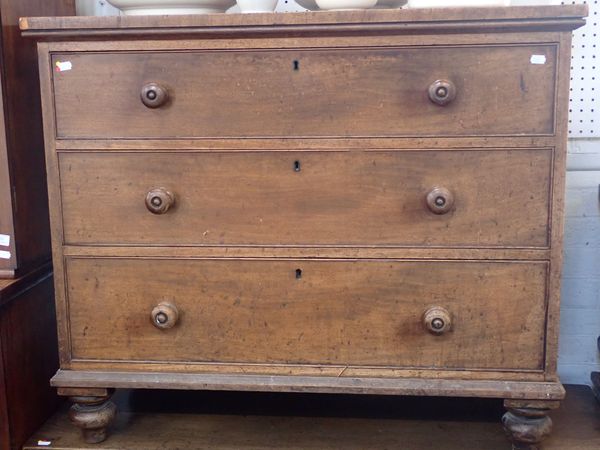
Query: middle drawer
[[472, 198]]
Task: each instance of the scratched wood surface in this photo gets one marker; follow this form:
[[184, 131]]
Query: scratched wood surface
[[474, 88], [550, 33], [308, 198], [309, 312], [562, 17], [334, 92]]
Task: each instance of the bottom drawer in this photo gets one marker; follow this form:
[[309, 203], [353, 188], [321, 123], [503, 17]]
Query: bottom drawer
[[490, 315]]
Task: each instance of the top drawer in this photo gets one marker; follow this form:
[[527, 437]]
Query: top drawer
[[499, 90]]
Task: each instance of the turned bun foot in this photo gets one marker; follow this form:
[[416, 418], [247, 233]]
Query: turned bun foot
[[92, 415], [527, 427]]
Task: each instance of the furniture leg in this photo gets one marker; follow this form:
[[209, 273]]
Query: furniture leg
[[527, 422], [93, 415]]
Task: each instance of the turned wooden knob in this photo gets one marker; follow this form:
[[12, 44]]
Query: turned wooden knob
[[440, 200], [437, 320], [442, 92], [159, 200], [164, 315], [154, 95]]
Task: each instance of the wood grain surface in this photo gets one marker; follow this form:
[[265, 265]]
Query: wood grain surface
[[216, 229], [294, 93], [405, 21], [501, 198], [309, 312]]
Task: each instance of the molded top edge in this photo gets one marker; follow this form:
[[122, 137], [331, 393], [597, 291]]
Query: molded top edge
[[559, 17]]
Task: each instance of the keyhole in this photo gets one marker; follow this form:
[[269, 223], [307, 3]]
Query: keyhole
[[296, 64], [298, 274], [297, 167]]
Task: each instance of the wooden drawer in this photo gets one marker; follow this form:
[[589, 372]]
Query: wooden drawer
[[309, 312], [307, 93], [496, 198]]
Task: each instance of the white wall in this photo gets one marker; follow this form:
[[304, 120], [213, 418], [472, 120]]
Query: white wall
[[580, 312], [580, 315]]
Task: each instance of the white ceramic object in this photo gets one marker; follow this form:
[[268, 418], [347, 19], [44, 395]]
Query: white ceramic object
[[455, 3], [390, 4], [256, 6], [342, 5], [154, 7], [308, 4]]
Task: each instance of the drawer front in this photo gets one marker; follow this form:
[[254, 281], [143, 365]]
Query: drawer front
[[364, 313], [311, 93], [490, 198]]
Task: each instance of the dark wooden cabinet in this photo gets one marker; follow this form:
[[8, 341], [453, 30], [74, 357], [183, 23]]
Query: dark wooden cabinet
[[28, 341], [345, 202], [24, 227], [28, 355]]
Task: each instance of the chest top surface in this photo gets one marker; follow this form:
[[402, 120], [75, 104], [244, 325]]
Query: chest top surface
[[398, 21]]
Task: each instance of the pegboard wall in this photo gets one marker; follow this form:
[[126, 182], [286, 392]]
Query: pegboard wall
[[584, 102]]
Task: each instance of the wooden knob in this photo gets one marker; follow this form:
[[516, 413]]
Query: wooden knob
[[440, 200], [437, 320], [442, 92], [159, 200], [154, 96], [164, 315]]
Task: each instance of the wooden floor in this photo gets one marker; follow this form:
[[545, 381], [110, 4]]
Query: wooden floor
[[151, 420]]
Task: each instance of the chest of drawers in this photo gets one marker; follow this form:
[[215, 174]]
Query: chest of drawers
[[345, 202]]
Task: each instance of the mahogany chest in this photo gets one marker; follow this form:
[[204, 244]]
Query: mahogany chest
[[358, 202]]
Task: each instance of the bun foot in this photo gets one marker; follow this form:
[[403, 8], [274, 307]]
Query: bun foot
[[526, 426], [93, 415]]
